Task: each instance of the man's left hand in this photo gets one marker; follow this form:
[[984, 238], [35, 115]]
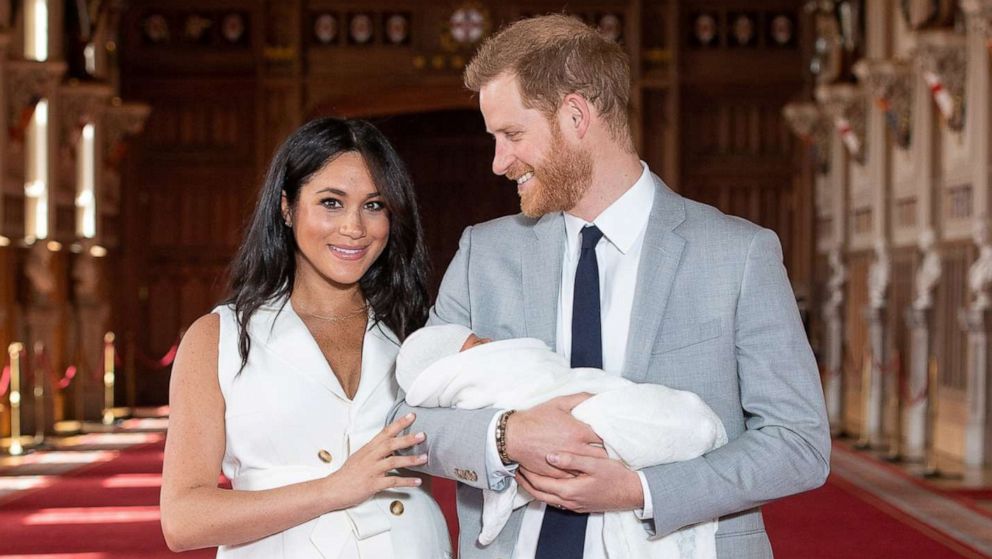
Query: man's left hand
[[599, 484]]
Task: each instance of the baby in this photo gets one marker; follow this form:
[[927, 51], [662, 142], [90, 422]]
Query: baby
[[640, 424]]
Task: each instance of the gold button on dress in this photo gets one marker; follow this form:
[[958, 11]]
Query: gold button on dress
[[396, 508], [325, 456]]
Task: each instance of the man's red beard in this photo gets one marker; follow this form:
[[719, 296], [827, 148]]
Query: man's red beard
[[559, 183]]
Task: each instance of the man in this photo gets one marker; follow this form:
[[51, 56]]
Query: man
[[611, 268]]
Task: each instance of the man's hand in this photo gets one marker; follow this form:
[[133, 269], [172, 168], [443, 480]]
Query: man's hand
[[598, 484], [533, 434]]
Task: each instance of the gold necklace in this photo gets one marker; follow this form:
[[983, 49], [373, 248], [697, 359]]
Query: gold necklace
[[356, 312]]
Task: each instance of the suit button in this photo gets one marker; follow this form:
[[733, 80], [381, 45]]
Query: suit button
[[396, 508], [325, 456]]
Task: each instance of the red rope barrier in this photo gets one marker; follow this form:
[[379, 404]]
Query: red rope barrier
[[45, 365], [5, 380], [158, 364], [70, 373]]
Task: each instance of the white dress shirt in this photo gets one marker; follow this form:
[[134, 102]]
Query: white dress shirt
[[618, 254]]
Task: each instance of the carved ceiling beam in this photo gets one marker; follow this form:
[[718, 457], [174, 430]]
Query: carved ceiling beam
[[890, 84], [29, 82], [808, 122], [844, 105], [942, 59]]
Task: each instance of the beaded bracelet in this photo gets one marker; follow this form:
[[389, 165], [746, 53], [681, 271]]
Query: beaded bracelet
[[501, 437]]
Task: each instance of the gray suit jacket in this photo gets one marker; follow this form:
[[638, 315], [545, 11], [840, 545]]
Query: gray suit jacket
[[714, 313]]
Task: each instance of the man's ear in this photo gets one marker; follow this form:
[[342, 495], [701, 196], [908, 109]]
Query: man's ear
[[577, 114]]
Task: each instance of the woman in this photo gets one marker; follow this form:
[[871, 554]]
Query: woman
[[286, 386]]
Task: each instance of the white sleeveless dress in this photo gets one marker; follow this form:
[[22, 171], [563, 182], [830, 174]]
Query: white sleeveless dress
[[288, 420]]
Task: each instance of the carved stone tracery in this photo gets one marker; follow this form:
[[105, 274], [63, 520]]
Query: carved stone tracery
[[119, 121], [81, 104], [844, 104], [979, 16], [808, 122], [29, 82], [890, 84], [942, 60]]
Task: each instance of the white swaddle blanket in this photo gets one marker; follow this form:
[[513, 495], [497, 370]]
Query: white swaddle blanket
[[640, 424]]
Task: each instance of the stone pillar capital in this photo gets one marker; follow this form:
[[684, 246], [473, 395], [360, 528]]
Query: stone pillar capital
[[890, 84], [942, 59], [844, 105], [121, 120], [978, 14], [28, 82], [82, 103]]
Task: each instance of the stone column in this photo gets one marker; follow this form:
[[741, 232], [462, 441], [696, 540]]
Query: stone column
[[975, 322], [812, 127], [834, 359], [878, 285], [918, 318]]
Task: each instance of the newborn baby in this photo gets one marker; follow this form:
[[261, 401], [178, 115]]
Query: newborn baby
[[640, 424]]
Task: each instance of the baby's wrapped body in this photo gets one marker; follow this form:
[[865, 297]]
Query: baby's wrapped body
[[640, 424]]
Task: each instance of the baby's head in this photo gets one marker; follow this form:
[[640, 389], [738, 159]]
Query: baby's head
[[430, 344], [472, 340]]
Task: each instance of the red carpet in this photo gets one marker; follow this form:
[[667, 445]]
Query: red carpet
[[839, 521], [109, 511]]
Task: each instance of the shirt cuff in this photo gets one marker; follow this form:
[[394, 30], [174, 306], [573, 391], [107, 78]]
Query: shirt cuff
[[646, 513], [498, 474]]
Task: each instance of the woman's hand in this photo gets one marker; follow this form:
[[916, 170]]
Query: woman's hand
[[367, 471]]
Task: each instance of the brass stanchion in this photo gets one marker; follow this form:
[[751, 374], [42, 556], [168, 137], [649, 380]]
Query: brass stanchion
[[108, 378], [864, 440], [130, 374], [14, 350], [894, 452], [930, 469], [39, 396]]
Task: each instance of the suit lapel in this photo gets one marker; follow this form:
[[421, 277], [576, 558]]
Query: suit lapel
[[660, 256], [541, 267]]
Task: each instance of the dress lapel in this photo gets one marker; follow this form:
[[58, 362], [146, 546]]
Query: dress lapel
[[542, 277], [660, 256], [286, 337], [379, 351]]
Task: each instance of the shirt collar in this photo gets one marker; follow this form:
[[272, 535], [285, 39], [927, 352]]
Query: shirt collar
[[623, 220]]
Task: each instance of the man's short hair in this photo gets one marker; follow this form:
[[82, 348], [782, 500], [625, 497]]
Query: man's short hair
[[553, 56]]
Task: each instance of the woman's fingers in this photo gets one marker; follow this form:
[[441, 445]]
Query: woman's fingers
[[395, 462], [397, 427], [390, 482], [399, 443]]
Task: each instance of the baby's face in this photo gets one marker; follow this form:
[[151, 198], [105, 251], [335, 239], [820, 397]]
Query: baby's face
[[472, 340]]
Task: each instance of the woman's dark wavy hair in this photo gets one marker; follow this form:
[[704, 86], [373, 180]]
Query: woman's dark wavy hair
[[264, 269]]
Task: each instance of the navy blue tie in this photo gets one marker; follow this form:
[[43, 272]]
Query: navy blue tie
[[563, 532]]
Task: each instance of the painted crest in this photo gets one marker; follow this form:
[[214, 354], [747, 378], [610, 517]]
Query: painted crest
[[610, 26], [196, 27], [156, 28], [232, 27], [468, 25], [704, 29], [360, 28], [398, 29], [742, 30], [325, 28], [781, 30]]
